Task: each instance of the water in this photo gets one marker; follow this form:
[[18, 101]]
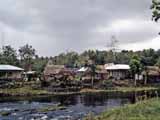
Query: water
[[77, 106]]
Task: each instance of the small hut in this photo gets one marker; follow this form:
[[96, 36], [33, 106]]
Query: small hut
[[31, 76], [57, 72], [101, 73], [152, 73], [53, 72], [9, 72]]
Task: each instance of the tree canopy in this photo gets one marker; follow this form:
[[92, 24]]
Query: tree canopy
[[155, 10], [8, 56], [26, 57]]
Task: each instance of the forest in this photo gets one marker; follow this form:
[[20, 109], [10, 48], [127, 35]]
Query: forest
[[26, 57]]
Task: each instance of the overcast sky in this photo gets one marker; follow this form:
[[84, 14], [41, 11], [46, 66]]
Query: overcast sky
[[55, 26]]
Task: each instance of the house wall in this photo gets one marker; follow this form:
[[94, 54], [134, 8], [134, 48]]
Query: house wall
[[101, 76], [10, 75], [118, 74]]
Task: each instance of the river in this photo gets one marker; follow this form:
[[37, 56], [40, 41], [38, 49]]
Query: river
[[76, 106]]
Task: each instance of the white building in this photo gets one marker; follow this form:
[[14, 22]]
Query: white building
[[10, 72], [118, 71]]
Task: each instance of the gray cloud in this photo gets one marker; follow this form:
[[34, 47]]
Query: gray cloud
[[54, 26]]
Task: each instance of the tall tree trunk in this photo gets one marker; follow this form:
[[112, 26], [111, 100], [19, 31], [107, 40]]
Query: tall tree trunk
[[145, 80], [92, 81], [135, 80], [146, 76]]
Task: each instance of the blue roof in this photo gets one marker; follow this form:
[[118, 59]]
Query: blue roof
[[10, 68]]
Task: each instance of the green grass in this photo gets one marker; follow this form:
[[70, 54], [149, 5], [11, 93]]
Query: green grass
[[146, 110], [120, 89], [136, 89], [23, 91], [29, 91]]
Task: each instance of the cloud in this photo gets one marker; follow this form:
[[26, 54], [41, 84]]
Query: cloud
[[54, 26]]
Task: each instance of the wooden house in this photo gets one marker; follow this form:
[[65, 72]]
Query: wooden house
[[152, 73], [9, 72], [53, 72], [58, 72], [101, 73], [31, 76], [86, 73], [118, 71]]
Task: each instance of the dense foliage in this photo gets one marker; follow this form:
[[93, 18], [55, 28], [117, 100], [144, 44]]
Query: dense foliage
[[143, 110], [26, 55], [155, 10], [148, 57]]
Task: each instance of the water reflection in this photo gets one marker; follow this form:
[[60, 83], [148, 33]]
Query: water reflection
[[77, 105]]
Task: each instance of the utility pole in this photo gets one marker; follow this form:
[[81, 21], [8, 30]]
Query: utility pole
[[113, 46], [2, 41]]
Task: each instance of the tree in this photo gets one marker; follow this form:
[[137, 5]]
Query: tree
[[8, 56], [155, 10], [39, 64], [148, 57], [93, 72], [27, 53], [158, 62], [136, 67]]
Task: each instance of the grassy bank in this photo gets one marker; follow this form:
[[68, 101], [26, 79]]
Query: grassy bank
[[146, 110], [29, 91], [23, 91], [120, 89]]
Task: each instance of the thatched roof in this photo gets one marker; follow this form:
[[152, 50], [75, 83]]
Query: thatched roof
[[152, 70], [100, 69], [53, 69]]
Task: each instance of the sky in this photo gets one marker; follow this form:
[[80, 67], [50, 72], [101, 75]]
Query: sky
[[56, 26]]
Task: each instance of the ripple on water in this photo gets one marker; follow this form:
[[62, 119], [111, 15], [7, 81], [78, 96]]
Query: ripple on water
[[77, 107]]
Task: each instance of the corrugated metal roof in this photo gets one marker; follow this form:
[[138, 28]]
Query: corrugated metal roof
[[83, 69], [118, 67], [10, 67]]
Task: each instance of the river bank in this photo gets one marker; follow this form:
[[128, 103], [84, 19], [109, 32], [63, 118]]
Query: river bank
[[72, 107], [29, 91], [143, 110]]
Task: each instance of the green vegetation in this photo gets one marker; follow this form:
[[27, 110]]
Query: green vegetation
[[23, 91], [136, 67], [27, 53], [146, 110], [8, 56], [5, 113], [134, 89], [155, 10], [120, 89], [158, 62], [29, 91]]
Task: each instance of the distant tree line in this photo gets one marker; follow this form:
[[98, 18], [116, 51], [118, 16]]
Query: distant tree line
[[147, 57], [27, 58], [24, 57]]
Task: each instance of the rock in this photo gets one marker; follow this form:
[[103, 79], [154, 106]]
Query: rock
[[44, 117], [5, 113]]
